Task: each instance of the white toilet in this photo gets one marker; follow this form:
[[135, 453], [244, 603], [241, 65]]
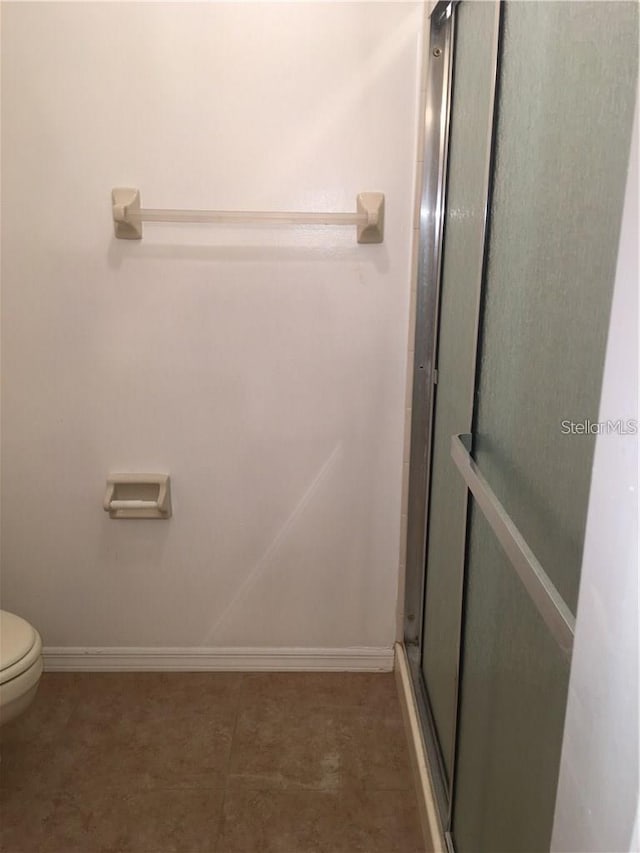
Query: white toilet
[[20, 665]]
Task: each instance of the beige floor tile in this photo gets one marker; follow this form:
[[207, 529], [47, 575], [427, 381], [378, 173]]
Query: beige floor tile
[[316, 689], [183, 751], [304, 822], [323, 749], [156, 730], [25, 821], [33, 761], [170, 821], [141, 695]]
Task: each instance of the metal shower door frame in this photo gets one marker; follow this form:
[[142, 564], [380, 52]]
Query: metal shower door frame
[[432, 234]]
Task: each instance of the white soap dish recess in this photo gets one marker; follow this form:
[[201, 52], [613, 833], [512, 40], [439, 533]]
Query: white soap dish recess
[[138, 496]]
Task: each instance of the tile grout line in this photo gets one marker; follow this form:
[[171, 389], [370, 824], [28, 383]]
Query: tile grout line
[[242, 677]]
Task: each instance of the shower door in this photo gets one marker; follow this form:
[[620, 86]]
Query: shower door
[[528, 126]]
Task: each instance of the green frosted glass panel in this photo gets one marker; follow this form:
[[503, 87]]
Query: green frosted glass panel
[[512, 711], [567, 89], [462, 261], [566, 94]]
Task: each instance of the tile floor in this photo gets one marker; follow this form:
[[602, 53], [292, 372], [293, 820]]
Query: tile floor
[[194, 762]]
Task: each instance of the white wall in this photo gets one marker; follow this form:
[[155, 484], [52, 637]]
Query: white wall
[[597, 800], [263, 369]]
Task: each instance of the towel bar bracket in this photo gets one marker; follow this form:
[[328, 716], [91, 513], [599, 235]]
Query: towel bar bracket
[[373, 205], [126, 201]]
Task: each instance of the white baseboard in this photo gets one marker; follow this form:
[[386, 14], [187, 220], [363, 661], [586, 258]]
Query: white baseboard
[[434, 839], [69, 659]]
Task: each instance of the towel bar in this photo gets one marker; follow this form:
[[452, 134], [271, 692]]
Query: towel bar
[[544, 595], [128, 216]]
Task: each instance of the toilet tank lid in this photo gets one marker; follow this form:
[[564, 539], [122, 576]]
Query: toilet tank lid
[[17, 638]]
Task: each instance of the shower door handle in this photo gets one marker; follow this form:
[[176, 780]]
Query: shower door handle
[[548, 601]]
